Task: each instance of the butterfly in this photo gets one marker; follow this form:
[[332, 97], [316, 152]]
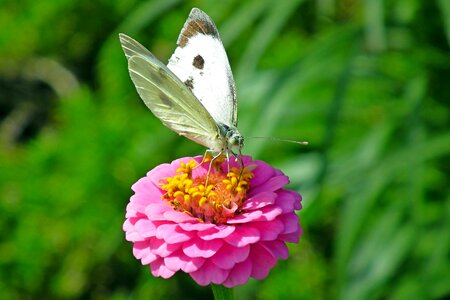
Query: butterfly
[[195, 94]]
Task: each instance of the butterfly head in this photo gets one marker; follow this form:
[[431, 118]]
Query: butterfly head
[[235, 139]]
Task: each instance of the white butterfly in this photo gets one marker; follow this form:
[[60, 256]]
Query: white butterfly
[[195, 94]]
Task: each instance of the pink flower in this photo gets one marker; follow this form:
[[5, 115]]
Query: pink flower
[[235, 228]]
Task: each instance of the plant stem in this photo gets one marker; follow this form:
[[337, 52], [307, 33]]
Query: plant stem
[[222, 293]]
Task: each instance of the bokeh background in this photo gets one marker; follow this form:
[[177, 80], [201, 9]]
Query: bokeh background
[[367, 83]]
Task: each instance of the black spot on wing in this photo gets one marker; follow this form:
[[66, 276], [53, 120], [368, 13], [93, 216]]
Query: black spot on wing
[[190, 83], [198, 62]]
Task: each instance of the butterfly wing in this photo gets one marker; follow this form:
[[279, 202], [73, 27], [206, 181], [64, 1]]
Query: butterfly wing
[[168, 98], [201, 63], [131, 47]]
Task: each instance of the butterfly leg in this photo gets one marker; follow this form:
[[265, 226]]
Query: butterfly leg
[[210, 165], [228, 160], [204, 158], [238, 158]]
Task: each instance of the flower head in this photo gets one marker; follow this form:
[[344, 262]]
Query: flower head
[[219, 227]]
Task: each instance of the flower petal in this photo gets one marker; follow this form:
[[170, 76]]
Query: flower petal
[[259, 200], [228, 256], [243, 236], [271, 185], [239, 274], [161, 248], [178, 216], [196, 226], [145, 228], [142, 251], [171, 233], [288, 200], [179, 261], [246, 217], [292, 237], [262, 261], [216, 232], [268, 230], [290, 222], [269, 213], [160, 173], [263, 172], [209, 273], [156, 211], [201, 248], [159, 269], [131, 234], [145, 187], [277, 248]]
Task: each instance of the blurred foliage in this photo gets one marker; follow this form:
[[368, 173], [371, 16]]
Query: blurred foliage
[[365, 82]]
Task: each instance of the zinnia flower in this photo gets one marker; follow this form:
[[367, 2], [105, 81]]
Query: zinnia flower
[[233, 229]]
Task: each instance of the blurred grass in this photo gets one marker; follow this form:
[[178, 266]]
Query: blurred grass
[[365, 82]]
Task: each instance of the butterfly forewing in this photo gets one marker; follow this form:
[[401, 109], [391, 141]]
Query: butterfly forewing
[[201, 63], [168, 98]]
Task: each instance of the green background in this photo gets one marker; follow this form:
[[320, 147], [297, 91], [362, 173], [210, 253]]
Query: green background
[[367, 83]]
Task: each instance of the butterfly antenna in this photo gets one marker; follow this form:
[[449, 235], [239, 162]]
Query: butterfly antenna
[[279, 140]]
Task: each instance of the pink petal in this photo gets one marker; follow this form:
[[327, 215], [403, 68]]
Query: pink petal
[[271, 185], [179, 261], [133, 236], [239, 275], [243, 236], [158, 175], [246, 217], [156, 211], [260, 200], [277, 248], [160, 270], [172, 234], [262, 261], [141, 251], [269, 213], [200, 248], [269, 230], [161, 248], [146, 188], [196, 226], [218, 232], [138, 202], [145, 228], [209, 273], [293, 237], [262, 172], [131, 233], [148, 257], [178, 216], [132, 212], [288, 200], [228, 256], [290, 222]]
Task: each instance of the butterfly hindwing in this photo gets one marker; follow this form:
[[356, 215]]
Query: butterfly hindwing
[[201, 63]]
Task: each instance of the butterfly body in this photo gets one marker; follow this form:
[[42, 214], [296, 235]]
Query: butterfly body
[[194, 95]]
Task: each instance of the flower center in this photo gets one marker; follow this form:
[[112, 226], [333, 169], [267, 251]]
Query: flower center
[[216, 202]]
